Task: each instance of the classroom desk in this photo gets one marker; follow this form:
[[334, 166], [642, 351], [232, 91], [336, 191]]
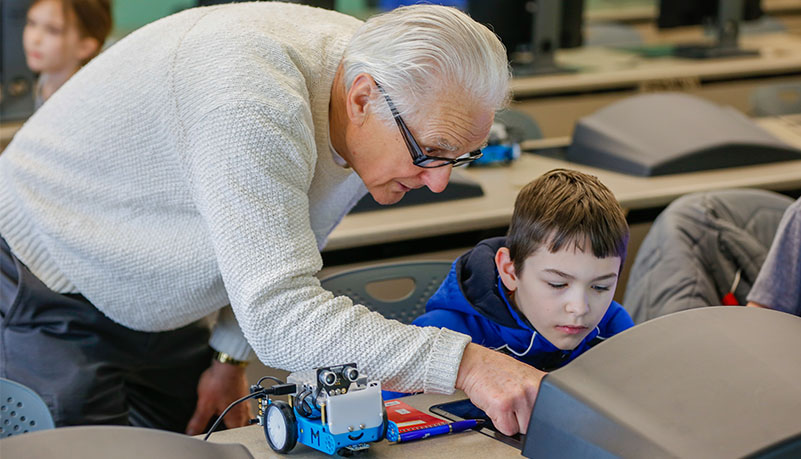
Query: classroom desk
[[638, 11], [501, 185], [606, 75], [7, 131], [602, 68], [470, 444]]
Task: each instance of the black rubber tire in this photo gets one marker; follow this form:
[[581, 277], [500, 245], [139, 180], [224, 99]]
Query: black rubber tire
[[290, 426]]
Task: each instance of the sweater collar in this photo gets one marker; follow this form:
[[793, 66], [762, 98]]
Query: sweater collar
[[320, 91]]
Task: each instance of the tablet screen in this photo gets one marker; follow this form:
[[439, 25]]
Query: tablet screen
[[464, 409]]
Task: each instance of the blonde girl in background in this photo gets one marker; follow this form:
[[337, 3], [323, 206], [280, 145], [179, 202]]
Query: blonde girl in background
[[61, 36]]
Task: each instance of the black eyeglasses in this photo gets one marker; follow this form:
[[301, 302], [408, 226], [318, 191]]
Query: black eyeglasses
[[419, 158]]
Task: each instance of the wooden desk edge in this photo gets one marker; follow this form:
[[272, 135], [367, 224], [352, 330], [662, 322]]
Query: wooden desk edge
[[472, 444]]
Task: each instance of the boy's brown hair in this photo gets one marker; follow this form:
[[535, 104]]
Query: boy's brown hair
[[566, 207], [92, 17]]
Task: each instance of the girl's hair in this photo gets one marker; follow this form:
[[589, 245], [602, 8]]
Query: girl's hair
[[419, 50], [92, 17]]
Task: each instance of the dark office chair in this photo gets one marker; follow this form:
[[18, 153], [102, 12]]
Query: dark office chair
[[358, 283], [21, 410], [519, 125]]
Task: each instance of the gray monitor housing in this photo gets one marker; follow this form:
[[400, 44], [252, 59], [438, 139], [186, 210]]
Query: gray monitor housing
[[668, 133], [716, 382]]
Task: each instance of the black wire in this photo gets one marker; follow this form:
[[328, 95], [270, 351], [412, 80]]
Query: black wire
[[307, 406], [219, 418], [269, 377], [302, 405]]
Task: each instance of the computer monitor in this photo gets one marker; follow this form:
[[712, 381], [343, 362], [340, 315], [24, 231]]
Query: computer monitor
[[532, 30], [708, 382], [16, 79], [726, 15]]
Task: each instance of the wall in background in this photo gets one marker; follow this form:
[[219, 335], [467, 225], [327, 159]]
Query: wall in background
[[129, 15]]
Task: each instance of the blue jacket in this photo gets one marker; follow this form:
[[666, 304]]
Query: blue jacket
[[472, 300]]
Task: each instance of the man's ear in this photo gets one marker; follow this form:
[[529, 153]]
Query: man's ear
[[357, 100], [506, 268], [87, 48]]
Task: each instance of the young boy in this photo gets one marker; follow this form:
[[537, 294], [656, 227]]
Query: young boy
[[543, 293]]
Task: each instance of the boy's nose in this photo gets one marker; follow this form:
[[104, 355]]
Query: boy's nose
[[437, 179], [578, 305]]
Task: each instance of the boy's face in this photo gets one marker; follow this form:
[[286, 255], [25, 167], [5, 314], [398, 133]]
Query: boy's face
[[564, 294]]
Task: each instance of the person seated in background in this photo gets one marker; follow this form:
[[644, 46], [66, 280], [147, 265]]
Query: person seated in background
[[718, 241], [778, 285], [542, 294], [60, 37]]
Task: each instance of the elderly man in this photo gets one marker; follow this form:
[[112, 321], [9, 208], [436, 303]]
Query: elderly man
[[203, 161]]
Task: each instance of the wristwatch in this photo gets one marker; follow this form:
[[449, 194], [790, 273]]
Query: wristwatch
[[222, 357]]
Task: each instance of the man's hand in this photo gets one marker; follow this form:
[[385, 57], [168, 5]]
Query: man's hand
[[757, 305], [499, 385], [220, 385]]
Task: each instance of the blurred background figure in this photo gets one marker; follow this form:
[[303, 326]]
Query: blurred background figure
[[61, 36]]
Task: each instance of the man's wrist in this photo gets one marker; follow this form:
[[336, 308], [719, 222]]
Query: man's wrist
[[472, 352], [222, 357]]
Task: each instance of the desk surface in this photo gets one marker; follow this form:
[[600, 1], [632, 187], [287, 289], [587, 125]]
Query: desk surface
[[634, 11], [607, 68], [501, 185], [445, 446]]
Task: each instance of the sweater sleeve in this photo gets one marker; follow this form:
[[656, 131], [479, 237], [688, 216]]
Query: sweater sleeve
[[249, 167], [227, 336]]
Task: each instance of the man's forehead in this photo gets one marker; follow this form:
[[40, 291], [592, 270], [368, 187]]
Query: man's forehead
[[455, 133]]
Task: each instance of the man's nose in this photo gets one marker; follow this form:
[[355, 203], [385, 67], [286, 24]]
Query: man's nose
[[437, 179]]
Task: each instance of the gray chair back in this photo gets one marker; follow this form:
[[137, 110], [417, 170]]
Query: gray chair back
[[356, 283], [519, 125], [21, 410]]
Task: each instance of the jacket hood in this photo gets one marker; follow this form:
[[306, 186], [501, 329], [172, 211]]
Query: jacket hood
[[474, 288], [479, 283]]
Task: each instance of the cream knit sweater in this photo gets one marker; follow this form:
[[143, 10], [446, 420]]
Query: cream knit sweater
[[188, 167]]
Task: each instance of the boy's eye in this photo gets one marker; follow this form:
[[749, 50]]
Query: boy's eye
[[601, 288], [557, 284]]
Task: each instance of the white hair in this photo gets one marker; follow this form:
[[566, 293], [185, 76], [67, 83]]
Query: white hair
[[416, 51]]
